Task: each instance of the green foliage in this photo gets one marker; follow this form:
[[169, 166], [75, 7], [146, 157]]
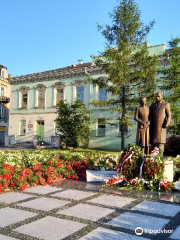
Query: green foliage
[[131, 71], [171, 81], [172, 147], [72, 123]]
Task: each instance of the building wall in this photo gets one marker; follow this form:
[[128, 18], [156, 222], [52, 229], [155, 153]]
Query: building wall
[[31, 114], [4, 106], [111, 140]]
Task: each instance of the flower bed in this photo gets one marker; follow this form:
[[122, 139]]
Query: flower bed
[[19, 170]]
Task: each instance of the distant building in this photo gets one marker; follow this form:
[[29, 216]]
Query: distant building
[[34, 97], [4, 106]]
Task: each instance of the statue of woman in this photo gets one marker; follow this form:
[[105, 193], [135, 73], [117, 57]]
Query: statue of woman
[[142, 118]]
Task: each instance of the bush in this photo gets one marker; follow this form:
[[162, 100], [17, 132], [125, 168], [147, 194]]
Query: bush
[[172, 147]]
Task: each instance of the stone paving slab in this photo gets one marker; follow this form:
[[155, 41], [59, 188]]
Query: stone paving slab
[[3, 237], [176, 234], [74, 194], [50, 228], [106, 234], [114, 201], [89, 215], [163, 209], [87, 212], [42, 189], [11, 197], [133, 220], [10, 215], [44, 203]]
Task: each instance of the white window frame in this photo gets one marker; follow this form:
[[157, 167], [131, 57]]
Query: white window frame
[[81, 92], [23, 90], [57, 86], [78, 83], [38, 88], [4, 90], [22, 128]]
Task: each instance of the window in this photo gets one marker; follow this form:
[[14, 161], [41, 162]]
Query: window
[[60, 95], [80, 93], [3, 75], [41, 98], [101, 127], [1, 111], [102, 94], [22, 127], [40, 94], [78, 90], [59, 92], [23, 97], [2, 91], [24, 100], [55, 127]]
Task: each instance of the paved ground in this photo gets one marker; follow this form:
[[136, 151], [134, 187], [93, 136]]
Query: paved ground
[[78, 210], [17, 146]]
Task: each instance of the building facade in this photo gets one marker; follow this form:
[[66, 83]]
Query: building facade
[[4, 106], [34, 97]]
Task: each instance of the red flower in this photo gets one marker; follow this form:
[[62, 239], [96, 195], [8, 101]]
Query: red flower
[[21, 178], [5, 185], [58, 164], [49, 163], [1, 177], [2, 190], [22, 188], [7, 176], [7, 166]]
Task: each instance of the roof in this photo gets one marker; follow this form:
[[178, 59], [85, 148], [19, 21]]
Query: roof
[[1, 66], [60, 73]]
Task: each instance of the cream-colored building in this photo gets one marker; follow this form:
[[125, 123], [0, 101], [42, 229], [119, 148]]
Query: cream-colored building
[[4, 106]]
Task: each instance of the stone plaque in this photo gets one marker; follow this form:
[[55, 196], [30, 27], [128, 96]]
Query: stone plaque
[[99, 176]]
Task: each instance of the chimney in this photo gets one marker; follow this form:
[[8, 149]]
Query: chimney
[[80, 61]]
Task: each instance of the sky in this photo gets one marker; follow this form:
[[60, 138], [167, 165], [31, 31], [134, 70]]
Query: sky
[[42, 35]]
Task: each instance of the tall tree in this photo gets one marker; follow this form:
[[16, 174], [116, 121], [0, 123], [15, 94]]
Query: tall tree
[[171, 81], [126, 60], [72, 123]]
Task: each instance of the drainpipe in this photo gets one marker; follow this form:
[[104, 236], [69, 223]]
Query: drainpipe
[[89, 85]]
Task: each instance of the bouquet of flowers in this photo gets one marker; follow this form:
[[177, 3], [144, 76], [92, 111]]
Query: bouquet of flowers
[[165, 186]]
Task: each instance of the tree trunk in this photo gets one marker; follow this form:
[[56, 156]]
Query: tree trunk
[[123, 116]]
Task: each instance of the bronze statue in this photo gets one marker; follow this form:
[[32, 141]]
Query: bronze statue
[[160, 115], [142, 118]]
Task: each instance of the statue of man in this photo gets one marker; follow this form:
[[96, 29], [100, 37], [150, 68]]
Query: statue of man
[[160, 114], [142, 118]]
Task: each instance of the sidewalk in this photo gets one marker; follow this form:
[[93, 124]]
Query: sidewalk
[[78, 210], [17, 146]]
